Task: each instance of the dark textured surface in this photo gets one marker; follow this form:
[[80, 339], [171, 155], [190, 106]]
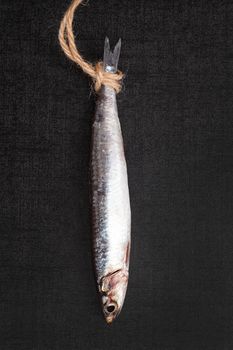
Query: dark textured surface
[[176, 114]]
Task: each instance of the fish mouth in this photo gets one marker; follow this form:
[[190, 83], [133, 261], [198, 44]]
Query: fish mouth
[[110, 311]]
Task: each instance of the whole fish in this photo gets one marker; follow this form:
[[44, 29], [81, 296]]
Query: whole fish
[[110, 197]]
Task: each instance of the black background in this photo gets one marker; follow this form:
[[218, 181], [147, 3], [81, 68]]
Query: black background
[[176, 114]]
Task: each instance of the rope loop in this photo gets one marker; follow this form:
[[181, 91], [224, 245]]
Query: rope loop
[[67, 42]]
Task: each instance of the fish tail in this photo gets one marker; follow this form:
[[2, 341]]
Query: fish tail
[[111, 58]]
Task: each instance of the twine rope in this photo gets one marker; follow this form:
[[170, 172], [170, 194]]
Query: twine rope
[[67, 42]]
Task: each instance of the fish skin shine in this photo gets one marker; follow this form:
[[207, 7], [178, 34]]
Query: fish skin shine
[[111, 215]]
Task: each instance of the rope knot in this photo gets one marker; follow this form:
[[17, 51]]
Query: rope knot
[[106, 78]]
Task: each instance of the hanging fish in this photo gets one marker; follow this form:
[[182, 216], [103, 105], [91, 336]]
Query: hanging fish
[[109, 183], [110, 196]]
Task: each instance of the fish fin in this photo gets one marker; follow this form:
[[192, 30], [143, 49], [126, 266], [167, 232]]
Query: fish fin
[[111, 58]]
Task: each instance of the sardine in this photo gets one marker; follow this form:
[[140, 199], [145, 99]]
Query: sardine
[[111, 215]]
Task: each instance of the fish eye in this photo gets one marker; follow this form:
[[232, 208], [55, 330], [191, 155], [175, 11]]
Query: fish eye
[[110, 308]]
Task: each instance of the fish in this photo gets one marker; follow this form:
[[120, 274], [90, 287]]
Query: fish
[[111, 213]]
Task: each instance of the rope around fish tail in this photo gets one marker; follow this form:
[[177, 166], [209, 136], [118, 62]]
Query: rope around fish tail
[[67, 42]]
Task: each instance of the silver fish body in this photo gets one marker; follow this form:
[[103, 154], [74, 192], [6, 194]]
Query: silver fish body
[[111, 215]]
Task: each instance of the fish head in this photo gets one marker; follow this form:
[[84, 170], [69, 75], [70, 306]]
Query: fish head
[[113, 289]]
